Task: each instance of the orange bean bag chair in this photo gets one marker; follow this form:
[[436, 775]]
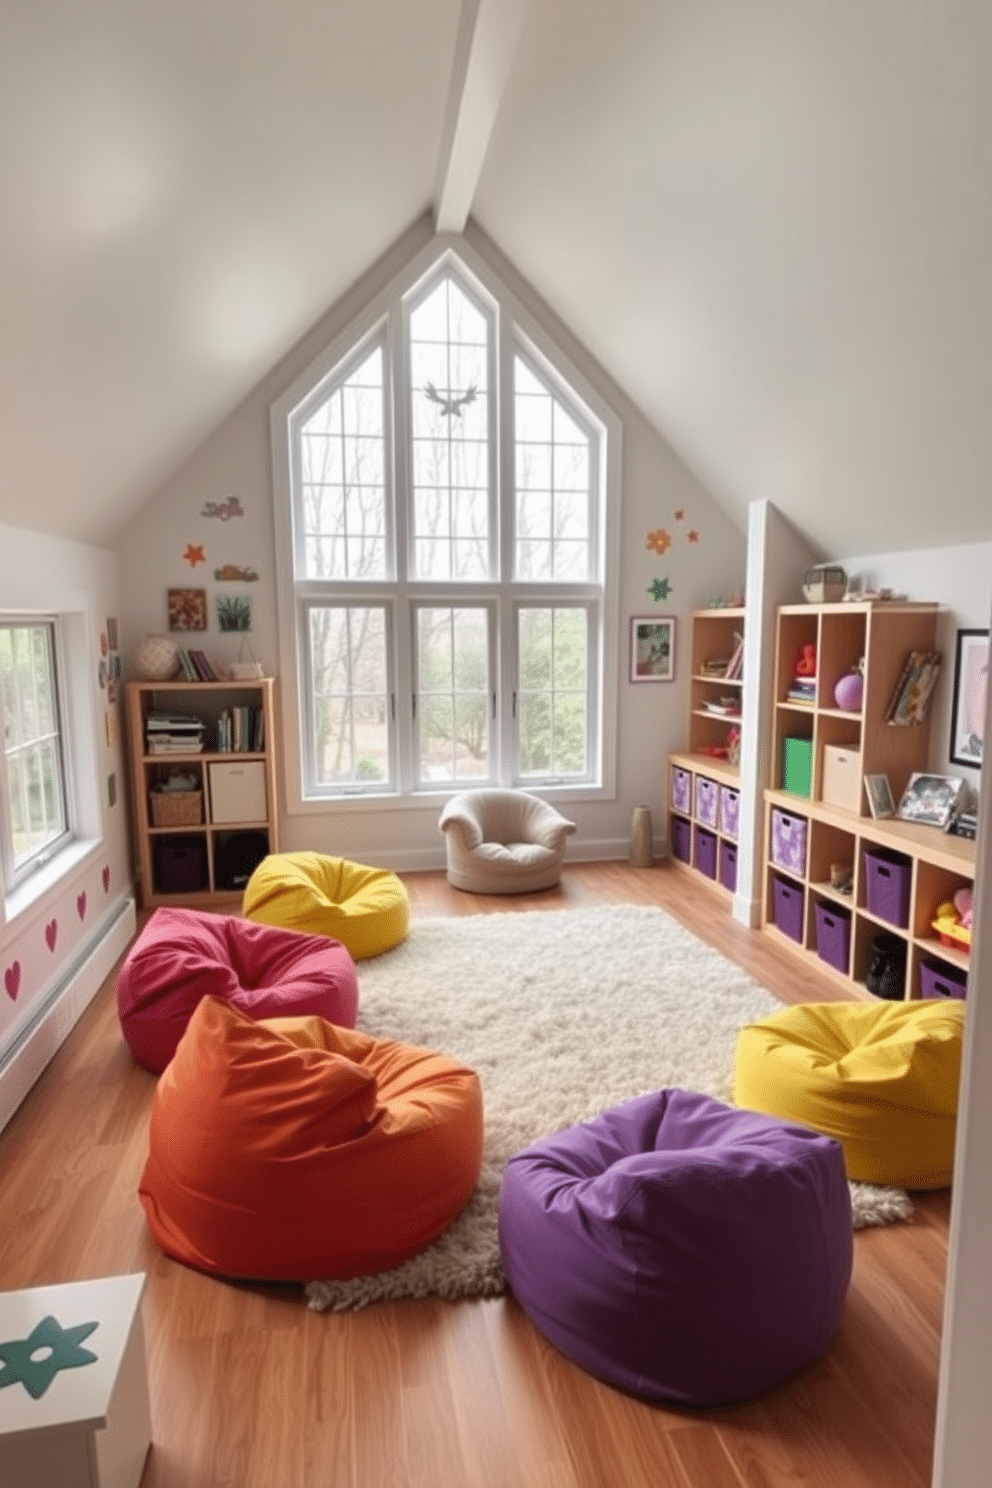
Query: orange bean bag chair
[[290, 1149]]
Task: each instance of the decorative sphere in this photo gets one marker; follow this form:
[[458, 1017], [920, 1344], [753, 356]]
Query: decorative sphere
[[849, 692], [157, 658]]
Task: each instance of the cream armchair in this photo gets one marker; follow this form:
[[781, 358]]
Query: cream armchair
[[503, 842]]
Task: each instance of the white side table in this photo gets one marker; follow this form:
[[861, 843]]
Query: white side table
[[91, 1425]]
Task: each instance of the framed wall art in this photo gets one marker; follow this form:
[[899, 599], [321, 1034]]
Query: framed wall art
[[971, 675], [652, 648], [187, 609]]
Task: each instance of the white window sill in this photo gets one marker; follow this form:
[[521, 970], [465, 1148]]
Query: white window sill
[[29, 894]]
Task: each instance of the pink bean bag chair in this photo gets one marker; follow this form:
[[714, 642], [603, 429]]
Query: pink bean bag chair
[[184, 955]]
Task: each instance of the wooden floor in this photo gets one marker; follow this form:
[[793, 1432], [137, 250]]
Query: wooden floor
[[250, 1389]]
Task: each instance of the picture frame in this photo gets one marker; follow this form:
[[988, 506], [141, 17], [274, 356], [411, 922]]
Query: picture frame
[[971, 670], [652, 648], [187, 609], [880, 799], [932, 800]]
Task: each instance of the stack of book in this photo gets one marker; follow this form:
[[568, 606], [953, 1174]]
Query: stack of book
[[173, 733], [241, 731], [802, 690], [911, 698], [726, 707], [196, 667]]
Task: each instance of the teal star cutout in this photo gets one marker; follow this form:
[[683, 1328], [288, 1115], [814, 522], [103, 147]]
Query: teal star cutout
[[19, 1367], [659, 588]]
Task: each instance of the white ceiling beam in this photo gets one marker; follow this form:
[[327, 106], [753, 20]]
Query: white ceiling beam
[[488, 34]]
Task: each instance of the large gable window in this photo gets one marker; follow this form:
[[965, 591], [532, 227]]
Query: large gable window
[[442, 497]]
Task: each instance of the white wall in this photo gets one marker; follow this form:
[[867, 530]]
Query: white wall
[[51, 922], [235, 461]]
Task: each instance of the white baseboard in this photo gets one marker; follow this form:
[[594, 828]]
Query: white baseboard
[[61, 1010]]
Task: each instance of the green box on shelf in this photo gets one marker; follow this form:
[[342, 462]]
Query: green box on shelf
[[797, 766]]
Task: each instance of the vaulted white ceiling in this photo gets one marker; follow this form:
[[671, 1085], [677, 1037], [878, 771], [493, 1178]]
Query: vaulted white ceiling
[[770, 221]]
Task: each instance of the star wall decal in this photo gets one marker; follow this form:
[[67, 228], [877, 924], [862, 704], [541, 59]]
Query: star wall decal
[[194, 554], [679, 514], [659, 588], [659, 541], [18, 1367], [692, 535]]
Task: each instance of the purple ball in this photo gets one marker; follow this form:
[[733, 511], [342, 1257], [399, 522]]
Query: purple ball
[[849, 692]]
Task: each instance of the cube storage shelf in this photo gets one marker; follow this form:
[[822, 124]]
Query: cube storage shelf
[[204, 862], [703, 792], [821, 752], [899, 871]]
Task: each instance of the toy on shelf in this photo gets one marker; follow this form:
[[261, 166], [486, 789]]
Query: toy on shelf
[[952, 921], [802, 688], [850, 690]]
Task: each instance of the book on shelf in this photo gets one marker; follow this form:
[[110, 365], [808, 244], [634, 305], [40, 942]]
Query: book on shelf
[[736, 662], [726, 707], [910, 700]]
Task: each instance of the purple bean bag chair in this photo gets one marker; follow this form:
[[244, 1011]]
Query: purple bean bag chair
[[680, 1249], [184, 955]]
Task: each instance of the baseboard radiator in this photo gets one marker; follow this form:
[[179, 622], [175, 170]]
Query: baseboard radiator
[[59, 1012]]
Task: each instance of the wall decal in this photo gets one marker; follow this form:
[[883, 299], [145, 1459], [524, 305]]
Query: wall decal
[[105, 877], [234, 612], [659, 541], [233, 573], [112, 633], [692, 535], [660, 588], [194, 554], [104, 648], [111, 789], [101, 674], [81, 905], [111, 690], [116, 666], [223, 509], [12, 980], [51, 934], [678, 514], [187, 609]]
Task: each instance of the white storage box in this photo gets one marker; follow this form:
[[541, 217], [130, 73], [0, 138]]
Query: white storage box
[[237, 791], [841, 777]]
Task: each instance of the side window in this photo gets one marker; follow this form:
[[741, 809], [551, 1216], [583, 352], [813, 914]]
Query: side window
[[33, 786]]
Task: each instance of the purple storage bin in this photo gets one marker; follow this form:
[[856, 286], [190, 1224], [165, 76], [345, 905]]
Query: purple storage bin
[[681, 789], [788, 903], [833, 934], [788, 841], [887, 877], [705, 852], [728, 865], [937, 979], [707, 800], [730, 807], [681, 836]]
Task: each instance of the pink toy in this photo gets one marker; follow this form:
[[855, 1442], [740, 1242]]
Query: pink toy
[[962, 903]]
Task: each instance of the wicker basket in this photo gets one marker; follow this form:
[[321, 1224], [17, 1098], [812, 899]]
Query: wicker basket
[[176, 808]]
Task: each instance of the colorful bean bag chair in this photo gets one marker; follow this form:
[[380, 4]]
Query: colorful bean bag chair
[[184, 955], [367, 909], [881, 1078], [679, 1249], [293, 1150]]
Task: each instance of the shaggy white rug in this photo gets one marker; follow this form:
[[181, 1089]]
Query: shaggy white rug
[[561, 1014]]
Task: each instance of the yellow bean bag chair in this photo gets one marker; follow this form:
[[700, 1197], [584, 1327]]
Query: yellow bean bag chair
[[882, 1079], [289, 1149], [366, 909]]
